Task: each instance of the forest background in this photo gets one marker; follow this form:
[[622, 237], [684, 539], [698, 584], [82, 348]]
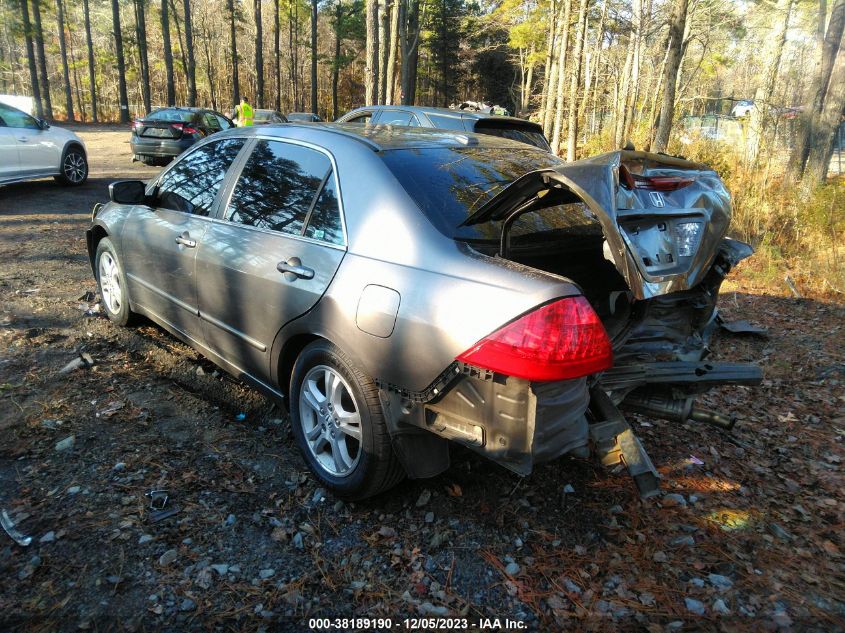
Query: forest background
[[663, 75]]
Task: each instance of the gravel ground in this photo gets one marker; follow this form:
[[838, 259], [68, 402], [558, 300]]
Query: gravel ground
[[748, 537]]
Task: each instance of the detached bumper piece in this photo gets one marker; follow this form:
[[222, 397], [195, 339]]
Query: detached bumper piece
[[615, 443]]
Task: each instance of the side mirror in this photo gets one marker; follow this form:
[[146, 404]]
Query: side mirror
[[128, 192], [43, 124]]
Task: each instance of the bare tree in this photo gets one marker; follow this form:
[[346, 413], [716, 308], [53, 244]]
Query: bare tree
[[761, 114], [168, 54], [189, 55], [393, 47], [259, 54], [561, 74], [233, 47], [828, 47], [42, 59], [30, 56], [92, 78], [60, 21], [384, 48], [371, 74], [575, 81], [673, 61], [141, 34], [121, 62], [314, 56], [827, 125], [277, 61], [410, 45]]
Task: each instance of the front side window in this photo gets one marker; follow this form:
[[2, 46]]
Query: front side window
[[192, 183], [211, 122], [15, 118], [277, 186], [363, 119]]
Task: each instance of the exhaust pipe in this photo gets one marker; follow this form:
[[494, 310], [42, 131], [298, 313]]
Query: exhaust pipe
[[663, 406]]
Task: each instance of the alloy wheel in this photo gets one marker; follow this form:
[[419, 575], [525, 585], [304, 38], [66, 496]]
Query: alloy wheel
[[331, 421], [74, 167], [110, 283]]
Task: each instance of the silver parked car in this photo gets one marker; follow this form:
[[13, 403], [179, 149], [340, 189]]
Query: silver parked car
[[399, 289]]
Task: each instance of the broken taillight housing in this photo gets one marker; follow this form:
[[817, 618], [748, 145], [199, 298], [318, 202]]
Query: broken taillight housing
[[687, 236], [186, 129], [652, 183], [558, 341]]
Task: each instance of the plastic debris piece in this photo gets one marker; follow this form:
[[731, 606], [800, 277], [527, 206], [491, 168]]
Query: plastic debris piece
[[161, 515], [11, 530], [84, 360], [743, 327], [695, 460], [240, 417]]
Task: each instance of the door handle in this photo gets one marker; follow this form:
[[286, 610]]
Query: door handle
[[293, 268], [184, 241], [23, 139]]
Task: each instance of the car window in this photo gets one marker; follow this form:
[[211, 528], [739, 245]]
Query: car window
[[191, 184], [398, 117], [211, 122], [15, 118], [186, 116], [324, 221], [361, 119], [277, 186], [449, 184], [224, 124], [523, 135], [446, 122]]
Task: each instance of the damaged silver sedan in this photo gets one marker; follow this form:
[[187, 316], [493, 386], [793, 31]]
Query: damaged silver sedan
[[400, 289]]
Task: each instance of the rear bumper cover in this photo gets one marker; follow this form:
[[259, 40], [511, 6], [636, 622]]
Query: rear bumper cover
[[159, 147]]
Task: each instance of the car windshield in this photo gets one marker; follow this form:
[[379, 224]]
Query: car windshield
[[449, 184], [171, 115]]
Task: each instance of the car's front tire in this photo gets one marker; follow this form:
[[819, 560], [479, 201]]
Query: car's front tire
[[339, 424], [74, 167], [111, 282]]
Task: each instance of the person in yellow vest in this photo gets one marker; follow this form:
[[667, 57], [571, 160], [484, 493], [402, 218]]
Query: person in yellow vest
[[244, 114]]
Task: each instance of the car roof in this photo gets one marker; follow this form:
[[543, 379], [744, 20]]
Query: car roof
[[384, 137], [469, 114]]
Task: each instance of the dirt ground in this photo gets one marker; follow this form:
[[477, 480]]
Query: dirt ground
[[750, 538]]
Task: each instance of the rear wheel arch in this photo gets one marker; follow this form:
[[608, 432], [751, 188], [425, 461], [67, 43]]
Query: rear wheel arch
[[96, 233]]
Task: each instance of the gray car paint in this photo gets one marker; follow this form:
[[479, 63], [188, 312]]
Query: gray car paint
[[438, 298]]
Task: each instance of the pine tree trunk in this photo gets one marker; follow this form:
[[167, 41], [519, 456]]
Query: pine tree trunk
[[206, 42], [673, 61], [314, 56], [92, 76], [552, 81], [391, 54], [560, 88], [829, 121], [233, 48], [42, 60], [411, 54], [183, 60], [30, 56], [191, 70], [761, 118], [384, 49], [60, 22], [547, 71], [259, 54], [574, 82], [121, 62], [371, 74], [277, 61], [828, 48], [168, 54], [74, 67], [338, 30], [141, 33]]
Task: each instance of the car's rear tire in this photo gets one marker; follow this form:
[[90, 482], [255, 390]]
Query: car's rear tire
[[111, 282], [74, 167], [339, 424]]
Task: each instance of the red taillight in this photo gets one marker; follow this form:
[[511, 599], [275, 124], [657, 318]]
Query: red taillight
[[652, 183], [560, 340], [186, 129]]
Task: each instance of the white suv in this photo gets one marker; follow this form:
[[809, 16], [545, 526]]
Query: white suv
[[30, 148]]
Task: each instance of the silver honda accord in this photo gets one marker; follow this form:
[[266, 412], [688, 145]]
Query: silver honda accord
[[398, 289]]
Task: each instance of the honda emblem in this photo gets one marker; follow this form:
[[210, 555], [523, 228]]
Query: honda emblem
[[657, 199]]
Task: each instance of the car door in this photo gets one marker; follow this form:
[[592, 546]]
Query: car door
[[10, 165], [159, 242], [272, 254], [38, 150]]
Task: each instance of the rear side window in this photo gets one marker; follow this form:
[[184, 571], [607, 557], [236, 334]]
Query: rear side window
[[324, 221], [449, 184], [211, 121], [277, 186], [445, 122], [361, 119], [186, 116], [398, 117], [523, 135], [192, 183]]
